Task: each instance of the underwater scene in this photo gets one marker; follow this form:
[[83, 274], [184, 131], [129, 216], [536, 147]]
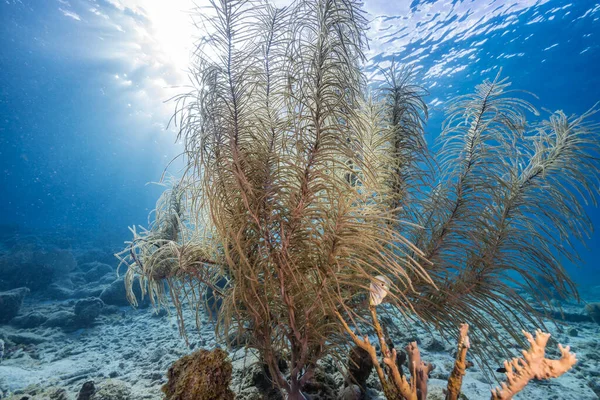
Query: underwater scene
[[299, 199]]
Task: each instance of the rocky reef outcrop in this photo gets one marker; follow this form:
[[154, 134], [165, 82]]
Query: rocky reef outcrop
[[11, 302]]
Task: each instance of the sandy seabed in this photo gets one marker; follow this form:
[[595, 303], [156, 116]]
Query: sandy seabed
[[126, 352]]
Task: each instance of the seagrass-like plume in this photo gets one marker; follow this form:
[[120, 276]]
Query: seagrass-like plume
[[405, 110], [273, 127], [304, 188], [506, 210], [176, 255]]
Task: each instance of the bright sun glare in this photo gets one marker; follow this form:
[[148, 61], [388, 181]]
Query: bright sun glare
[[173, 29]]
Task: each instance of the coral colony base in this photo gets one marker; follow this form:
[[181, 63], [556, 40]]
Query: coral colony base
[[312, 228]]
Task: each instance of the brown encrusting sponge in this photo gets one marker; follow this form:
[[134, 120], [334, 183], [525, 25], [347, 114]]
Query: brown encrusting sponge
[[203, 375]]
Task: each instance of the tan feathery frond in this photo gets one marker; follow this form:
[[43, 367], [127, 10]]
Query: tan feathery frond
[[300, 190]]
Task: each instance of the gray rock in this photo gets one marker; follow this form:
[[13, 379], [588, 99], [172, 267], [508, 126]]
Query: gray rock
[[87, 391], [157, 354], [153, 375], [93, 291], [39, 392], [112, 389], [11, 302], [77, 278], [322, 386], [62, 261], [87, 310], [593, 310], [351, 392], [96, 255], [435, 345], [160, 313], [66, 282], [108, 278], [97, 270], [26, 338], [249, 393], [57, 292], [571, 316], [116, 295], [57, 394], [573, 332], [594, 384], [28, 321], [35, 267], [60, 319], [107, 310], [256, 376]]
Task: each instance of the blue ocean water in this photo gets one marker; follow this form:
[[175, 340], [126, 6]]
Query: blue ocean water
[[84, 135], [84, 84]]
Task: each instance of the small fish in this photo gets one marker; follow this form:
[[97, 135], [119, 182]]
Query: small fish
[[380, 287]]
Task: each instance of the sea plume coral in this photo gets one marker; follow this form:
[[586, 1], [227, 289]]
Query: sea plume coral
[[172, 256], [270, 129], [303, 187], [506, 211]]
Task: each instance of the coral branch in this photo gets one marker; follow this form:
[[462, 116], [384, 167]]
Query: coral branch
[[399, 387], [533, 365], [419, 370], [460, 365], [407, 390], [519, 371], [366, 345]]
